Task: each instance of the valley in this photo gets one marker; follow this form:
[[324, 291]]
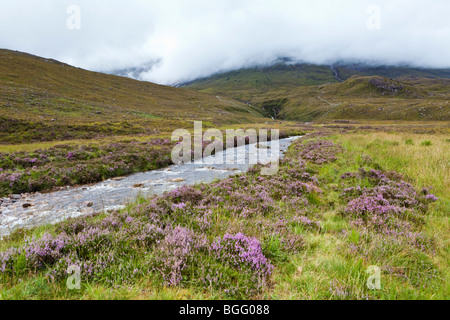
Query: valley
[[87, 180]]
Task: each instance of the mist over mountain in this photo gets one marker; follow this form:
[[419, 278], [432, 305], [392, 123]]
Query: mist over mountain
[[135, 72], [195, 39]]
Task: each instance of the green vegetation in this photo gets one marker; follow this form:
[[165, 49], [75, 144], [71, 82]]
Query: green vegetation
[[354, 193], [312, 93], [45, 100], [316, 246], [244, 84]]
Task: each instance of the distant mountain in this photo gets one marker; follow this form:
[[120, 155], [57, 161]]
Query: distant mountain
[[134, 72], [242, 84], [347, 70], [306, 92]]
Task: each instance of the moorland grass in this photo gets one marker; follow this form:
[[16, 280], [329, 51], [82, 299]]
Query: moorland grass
[[332, 260]]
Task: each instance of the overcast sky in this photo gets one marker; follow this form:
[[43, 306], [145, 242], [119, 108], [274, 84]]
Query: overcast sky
[[188, 39]]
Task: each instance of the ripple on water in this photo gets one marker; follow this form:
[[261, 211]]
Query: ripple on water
[[113, 194]]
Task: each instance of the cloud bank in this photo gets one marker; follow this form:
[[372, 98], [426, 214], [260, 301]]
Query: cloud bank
[[180, 40]]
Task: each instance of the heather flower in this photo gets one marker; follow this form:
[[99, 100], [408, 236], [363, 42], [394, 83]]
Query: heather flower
[[179, 206], [173, 253], [392, 207], [305, 221], [243, 252], [185, 194], [318, 151], [45, 251]]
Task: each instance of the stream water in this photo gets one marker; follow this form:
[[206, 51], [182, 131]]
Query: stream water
[[28, 211]]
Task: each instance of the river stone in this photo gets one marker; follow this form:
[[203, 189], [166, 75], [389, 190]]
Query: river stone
[[177, 180], [88, 204], [26, 205], [15, 196], [138, 185]]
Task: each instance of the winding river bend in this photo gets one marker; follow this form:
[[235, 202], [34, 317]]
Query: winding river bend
[[48, 208]]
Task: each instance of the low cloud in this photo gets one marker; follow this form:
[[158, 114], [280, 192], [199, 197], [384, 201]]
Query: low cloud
[[180, 40]]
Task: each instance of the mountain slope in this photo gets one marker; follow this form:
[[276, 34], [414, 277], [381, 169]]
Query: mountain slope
[[312, 92], [243, 84], [348, 70], [44, 99], [371, 98]]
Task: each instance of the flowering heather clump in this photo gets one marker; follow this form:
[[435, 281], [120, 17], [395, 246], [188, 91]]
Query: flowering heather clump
[[185, 194], [174, 252], [45, 251], [243, 253], [366, 206], [7, 260], [392, 207], [252, 195], [318, 151], [388, 187], [90, 242], [64, 165]]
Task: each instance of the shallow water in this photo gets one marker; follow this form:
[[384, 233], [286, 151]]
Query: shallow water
[[115, 193]]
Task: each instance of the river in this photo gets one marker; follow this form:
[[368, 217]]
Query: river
[[49, 208]]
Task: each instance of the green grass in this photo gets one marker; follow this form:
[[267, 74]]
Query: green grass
[[324, 271], [326, 268]]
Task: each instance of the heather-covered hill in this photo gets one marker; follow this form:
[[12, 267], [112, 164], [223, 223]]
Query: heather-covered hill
[[44, 99]]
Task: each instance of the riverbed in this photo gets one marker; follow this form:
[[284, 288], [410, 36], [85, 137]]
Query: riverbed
[[37, 209]]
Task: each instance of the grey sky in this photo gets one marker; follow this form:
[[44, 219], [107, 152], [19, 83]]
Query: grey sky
[[199, 37]]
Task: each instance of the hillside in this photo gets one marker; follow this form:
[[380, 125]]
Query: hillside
[[346, 71], [309, 92], [242, 84], [245, 83], [45, 100]]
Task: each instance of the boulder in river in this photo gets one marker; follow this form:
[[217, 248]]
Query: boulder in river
[[138, 185]]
